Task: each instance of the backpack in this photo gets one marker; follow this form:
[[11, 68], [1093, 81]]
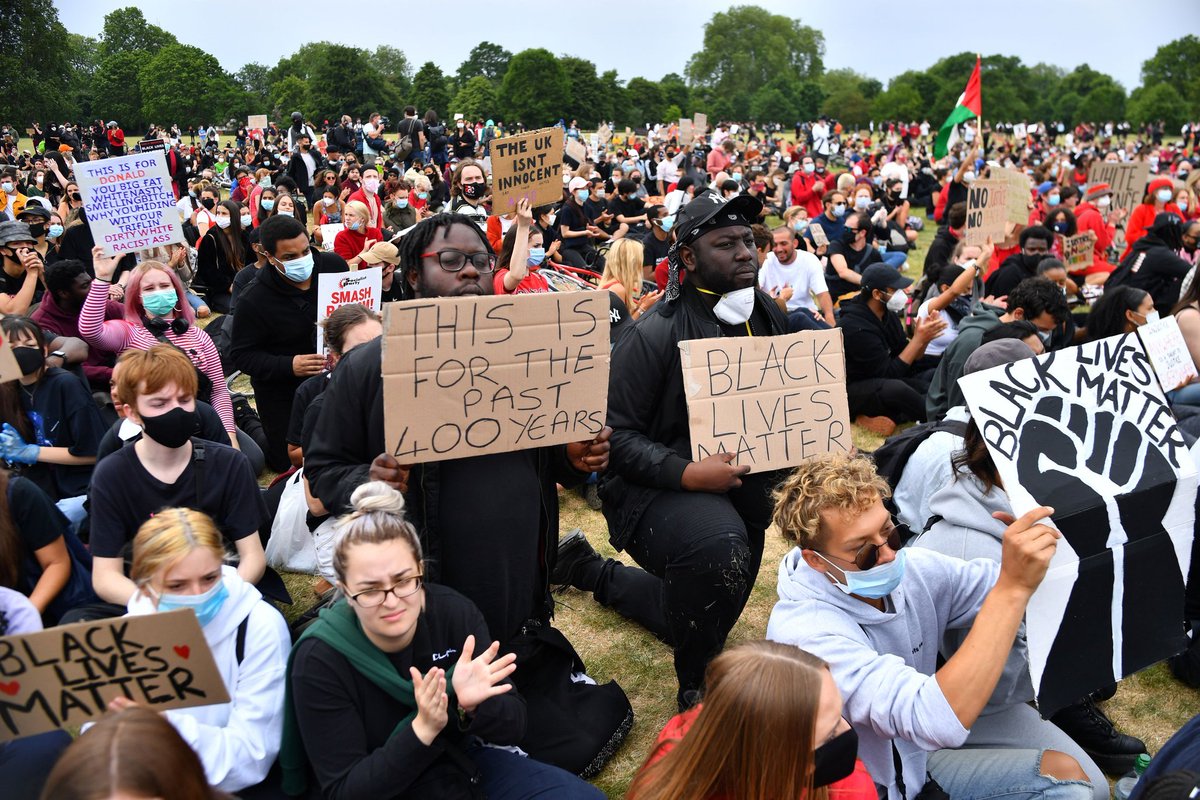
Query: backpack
[[405, 145], [893, 455]]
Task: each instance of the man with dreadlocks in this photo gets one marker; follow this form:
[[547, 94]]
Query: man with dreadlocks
[[695, 526]]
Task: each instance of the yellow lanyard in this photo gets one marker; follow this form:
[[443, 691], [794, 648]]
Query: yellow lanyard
[[749, 332]]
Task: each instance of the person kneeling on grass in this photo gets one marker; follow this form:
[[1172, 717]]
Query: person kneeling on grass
[[876, 614], [179, 562], [770, 726], [374, 683]]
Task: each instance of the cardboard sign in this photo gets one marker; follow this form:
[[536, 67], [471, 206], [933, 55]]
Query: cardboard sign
[[818, 235], [1019, 130], [605, 134], [771, 400], [129, 202], [529, 166], [1088, 432], [63, 677], [477, 375], [575, 150], [1128, 181], [686, 132], [1020, 190], [9, 371], [256, 121], [1168, 352], [987, 211], [147, 145], [700, 123], [337, 289], [1077, 250]]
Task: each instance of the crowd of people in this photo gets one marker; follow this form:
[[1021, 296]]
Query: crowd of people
[[894, 662]]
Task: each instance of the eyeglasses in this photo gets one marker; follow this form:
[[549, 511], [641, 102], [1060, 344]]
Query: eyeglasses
[[868, 555], [455, 260], [372, 598]]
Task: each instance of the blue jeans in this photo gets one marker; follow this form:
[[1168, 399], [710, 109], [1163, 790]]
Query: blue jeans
[[894, 258], [194, 300], [508, 776], [802, 319], [1187, 396], [1011, 774], [72, 508]]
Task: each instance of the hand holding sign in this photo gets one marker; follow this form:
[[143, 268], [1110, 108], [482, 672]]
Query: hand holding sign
[[716, 473], [1027, 549], [591, 456], [387, 469], [105, 266]]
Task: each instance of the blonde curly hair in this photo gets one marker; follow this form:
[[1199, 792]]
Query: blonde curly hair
[[829, 481]]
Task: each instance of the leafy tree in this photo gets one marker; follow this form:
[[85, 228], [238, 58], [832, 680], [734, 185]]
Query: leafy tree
[[476, 99], [675, 92], [770, 104], [901, 101], [672, 112], [1100, 97], [870, 88], [1176, 64], [253, 79], [394, 66], [587, 100], [300, 63], [35, 62], [126, 30], [117, 90], [619, 107], [848, 105], [535, 88], [1103, 103], [1041, 86], [343, 81], [745, 47], [486, 59], [646, 100], [184, 84], [83, 53], [1160, 101], [429, 90], [290, 94], [809, 96]]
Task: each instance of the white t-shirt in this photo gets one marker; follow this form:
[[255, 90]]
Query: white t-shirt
[[368, 131], [938, 345], [820, 134], [804, 275]]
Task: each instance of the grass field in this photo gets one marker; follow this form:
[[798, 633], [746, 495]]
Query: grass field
[[1150, 705]]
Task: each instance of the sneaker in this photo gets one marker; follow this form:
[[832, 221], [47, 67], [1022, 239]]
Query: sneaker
[[591, 496], [575, 555], [1113, 751], [880, 426]]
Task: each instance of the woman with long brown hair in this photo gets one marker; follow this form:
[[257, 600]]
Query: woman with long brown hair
[[222, 253], [770, 728]]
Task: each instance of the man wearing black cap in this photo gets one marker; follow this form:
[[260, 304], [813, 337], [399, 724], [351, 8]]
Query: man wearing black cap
[[695, 526], [20, 270], [886, 374]]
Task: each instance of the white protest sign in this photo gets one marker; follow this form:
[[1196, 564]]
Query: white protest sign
[[773, 401], [129, 202], [1088, 432], [1168, 353], [329, 232], [467, 376], [1019, 130], [337, 289]]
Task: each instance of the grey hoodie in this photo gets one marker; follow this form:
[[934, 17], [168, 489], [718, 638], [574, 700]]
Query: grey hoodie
[[884, 661], [968, 530]]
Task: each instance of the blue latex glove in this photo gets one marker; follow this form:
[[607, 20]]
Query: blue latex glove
[[13, 448]]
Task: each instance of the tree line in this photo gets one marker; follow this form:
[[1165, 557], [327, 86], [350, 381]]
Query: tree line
[[753, 65]]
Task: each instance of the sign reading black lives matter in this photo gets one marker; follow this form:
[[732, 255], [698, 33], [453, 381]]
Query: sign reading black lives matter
[[772, 401], [1088, 432], [527, 166], [129, 202], [470, 376], [63, 677]]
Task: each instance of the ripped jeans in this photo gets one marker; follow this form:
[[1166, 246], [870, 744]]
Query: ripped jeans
[[699, 560]]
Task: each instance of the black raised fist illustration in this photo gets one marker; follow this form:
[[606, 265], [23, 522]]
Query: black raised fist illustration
[[1110, 486]]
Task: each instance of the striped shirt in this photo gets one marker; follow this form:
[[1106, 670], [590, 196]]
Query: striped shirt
[[118, 335]]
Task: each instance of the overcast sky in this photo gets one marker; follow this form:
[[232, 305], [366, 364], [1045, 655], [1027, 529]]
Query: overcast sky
[[650, 40]]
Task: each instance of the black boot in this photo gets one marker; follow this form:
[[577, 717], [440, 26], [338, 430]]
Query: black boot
[[1113, 751], [578, 564]]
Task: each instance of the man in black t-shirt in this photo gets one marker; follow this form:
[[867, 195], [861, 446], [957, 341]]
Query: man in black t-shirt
[[657, 240], [413, 128], [850, 256], [628, 210], [164, 469]]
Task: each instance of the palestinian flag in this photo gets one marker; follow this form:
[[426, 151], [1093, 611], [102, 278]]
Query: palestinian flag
[[970, 105]]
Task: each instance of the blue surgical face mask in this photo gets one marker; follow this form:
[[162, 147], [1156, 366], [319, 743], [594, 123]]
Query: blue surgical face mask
[[800, 225], [160, 303], [265, 182], [401, 204], [874, 583], [536, 256], [1053, 200], [839, 210], [737, 176], [268, 203], [581, 195], [666, 223], [422, 195], [298, 270], [54, 231], [1163, 195], [246, 220], [206, 606]]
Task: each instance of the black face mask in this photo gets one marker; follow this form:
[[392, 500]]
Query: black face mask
[[848, 236], [38, 230], [835, 759], [208, 203], [29, 359], [474, 191], [1031, 262], [171, 429]]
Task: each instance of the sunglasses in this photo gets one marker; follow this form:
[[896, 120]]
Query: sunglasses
[[868, 555]]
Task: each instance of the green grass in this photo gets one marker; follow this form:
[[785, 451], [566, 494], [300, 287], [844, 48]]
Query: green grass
[[1150, 705]]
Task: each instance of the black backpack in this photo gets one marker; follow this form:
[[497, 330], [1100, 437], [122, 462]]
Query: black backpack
[[891, 458]]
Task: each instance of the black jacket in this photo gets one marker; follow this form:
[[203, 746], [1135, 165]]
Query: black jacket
[[349, 434], [647, 407], [348, 724], [872, 344], [297, 170], [341, 137], [274, 322], [1011, 271], [1154, 267], [940, 249]]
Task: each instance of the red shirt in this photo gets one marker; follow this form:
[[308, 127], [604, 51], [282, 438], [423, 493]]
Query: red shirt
[[532, 283], [373, 204], [349, 244]]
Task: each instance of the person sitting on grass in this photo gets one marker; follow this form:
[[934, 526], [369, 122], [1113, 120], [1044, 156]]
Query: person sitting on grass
[[770, 726]]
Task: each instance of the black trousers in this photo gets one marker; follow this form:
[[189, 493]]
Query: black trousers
[[275, 411], [901, 399], [699, 559]]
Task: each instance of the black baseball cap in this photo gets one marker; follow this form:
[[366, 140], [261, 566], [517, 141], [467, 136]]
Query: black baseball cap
[[709, 211], [881, 276]]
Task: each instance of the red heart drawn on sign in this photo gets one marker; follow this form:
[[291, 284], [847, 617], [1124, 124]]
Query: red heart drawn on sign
[[10, 688], [182, 650]]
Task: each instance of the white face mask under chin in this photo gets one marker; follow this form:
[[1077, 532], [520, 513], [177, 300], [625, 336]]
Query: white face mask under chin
[[735, 307]]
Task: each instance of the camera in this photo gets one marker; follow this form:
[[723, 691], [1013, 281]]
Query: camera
[[384, 121]]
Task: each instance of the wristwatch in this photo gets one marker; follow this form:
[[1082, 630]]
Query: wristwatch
[[60, 354]]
